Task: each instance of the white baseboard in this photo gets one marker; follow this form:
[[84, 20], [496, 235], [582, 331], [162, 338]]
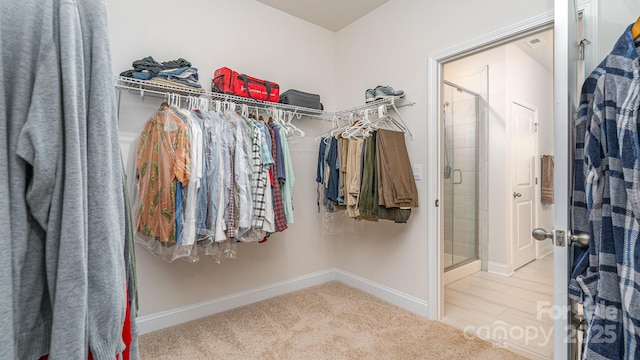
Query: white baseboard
[[499, 268], [385, 293], [165, 319], [462, 272]]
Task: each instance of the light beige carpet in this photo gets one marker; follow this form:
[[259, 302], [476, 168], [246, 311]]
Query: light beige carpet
[[329, 321]]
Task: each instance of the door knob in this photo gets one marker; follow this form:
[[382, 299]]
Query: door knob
[[583, 239], [541, 234], [516, 194]]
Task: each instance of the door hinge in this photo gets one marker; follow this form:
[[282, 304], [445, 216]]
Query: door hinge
[[582, 44]]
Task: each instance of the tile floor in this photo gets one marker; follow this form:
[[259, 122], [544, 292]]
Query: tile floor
[[513, 311]]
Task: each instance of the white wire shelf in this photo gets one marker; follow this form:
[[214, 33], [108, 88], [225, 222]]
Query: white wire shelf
[[145, 87], [157, 89]]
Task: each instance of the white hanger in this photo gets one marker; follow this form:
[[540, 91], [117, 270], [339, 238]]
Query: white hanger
[[280, 118], [335, 125], [351, 131], [385, 117], [204, 103], [296, 133], [285, 122]]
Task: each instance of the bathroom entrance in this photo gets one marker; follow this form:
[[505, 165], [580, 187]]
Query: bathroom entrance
[[497, 122]]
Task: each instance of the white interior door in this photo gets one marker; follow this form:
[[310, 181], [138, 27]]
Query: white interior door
[[523, 187], [566, 54]]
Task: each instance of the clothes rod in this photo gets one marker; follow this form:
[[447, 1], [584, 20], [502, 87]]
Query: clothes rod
[[145, 87]]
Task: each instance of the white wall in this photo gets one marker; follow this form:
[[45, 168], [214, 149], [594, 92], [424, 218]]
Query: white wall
[[252, 38], [614, 17]]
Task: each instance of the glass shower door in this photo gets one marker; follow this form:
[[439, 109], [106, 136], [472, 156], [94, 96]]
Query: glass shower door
[[461, 173]]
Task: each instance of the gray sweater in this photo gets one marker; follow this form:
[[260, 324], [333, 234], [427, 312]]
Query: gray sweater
[[62, 272]]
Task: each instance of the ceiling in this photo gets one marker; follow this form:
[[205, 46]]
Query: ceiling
[[540, 47], [329, 14]]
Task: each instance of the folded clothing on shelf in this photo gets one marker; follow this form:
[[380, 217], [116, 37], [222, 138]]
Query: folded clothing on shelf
[[163, 81], [175, 72]]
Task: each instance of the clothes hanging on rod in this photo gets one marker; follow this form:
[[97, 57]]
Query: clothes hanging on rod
[[368, 175], [208, 179], [606, 205]]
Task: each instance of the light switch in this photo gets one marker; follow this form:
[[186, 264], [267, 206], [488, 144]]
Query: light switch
[[417, 171]]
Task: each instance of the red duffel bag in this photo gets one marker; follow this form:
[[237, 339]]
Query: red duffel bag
[[231, 82]]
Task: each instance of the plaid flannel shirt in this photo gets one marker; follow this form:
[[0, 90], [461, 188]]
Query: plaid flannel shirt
[[606, 203], [278, 208]]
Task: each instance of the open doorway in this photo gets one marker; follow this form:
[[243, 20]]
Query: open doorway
[[497, 260], [497, 123]]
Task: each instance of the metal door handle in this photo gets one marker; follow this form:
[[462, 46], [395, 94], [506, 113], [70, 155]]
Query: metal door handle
[[541, 234], [453, 178], [582, 239], [516, 194]]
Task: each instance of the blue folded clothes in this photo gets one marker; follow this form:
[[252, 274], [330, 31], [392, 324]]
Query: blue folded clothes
[[141, 75], [194, 84], [185, 75]]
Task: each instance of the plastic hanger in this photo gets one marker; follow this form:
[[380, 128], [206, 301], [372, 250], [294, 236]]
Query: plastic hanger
[[385, 118], [339, 130], [285, 122], [295, 129], [204, 104], [329, 132], [359, 126]]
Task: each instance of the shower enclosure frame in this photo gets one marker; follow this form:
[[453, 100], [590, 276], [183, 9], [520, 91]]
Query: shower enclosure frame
[[476, 202]]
